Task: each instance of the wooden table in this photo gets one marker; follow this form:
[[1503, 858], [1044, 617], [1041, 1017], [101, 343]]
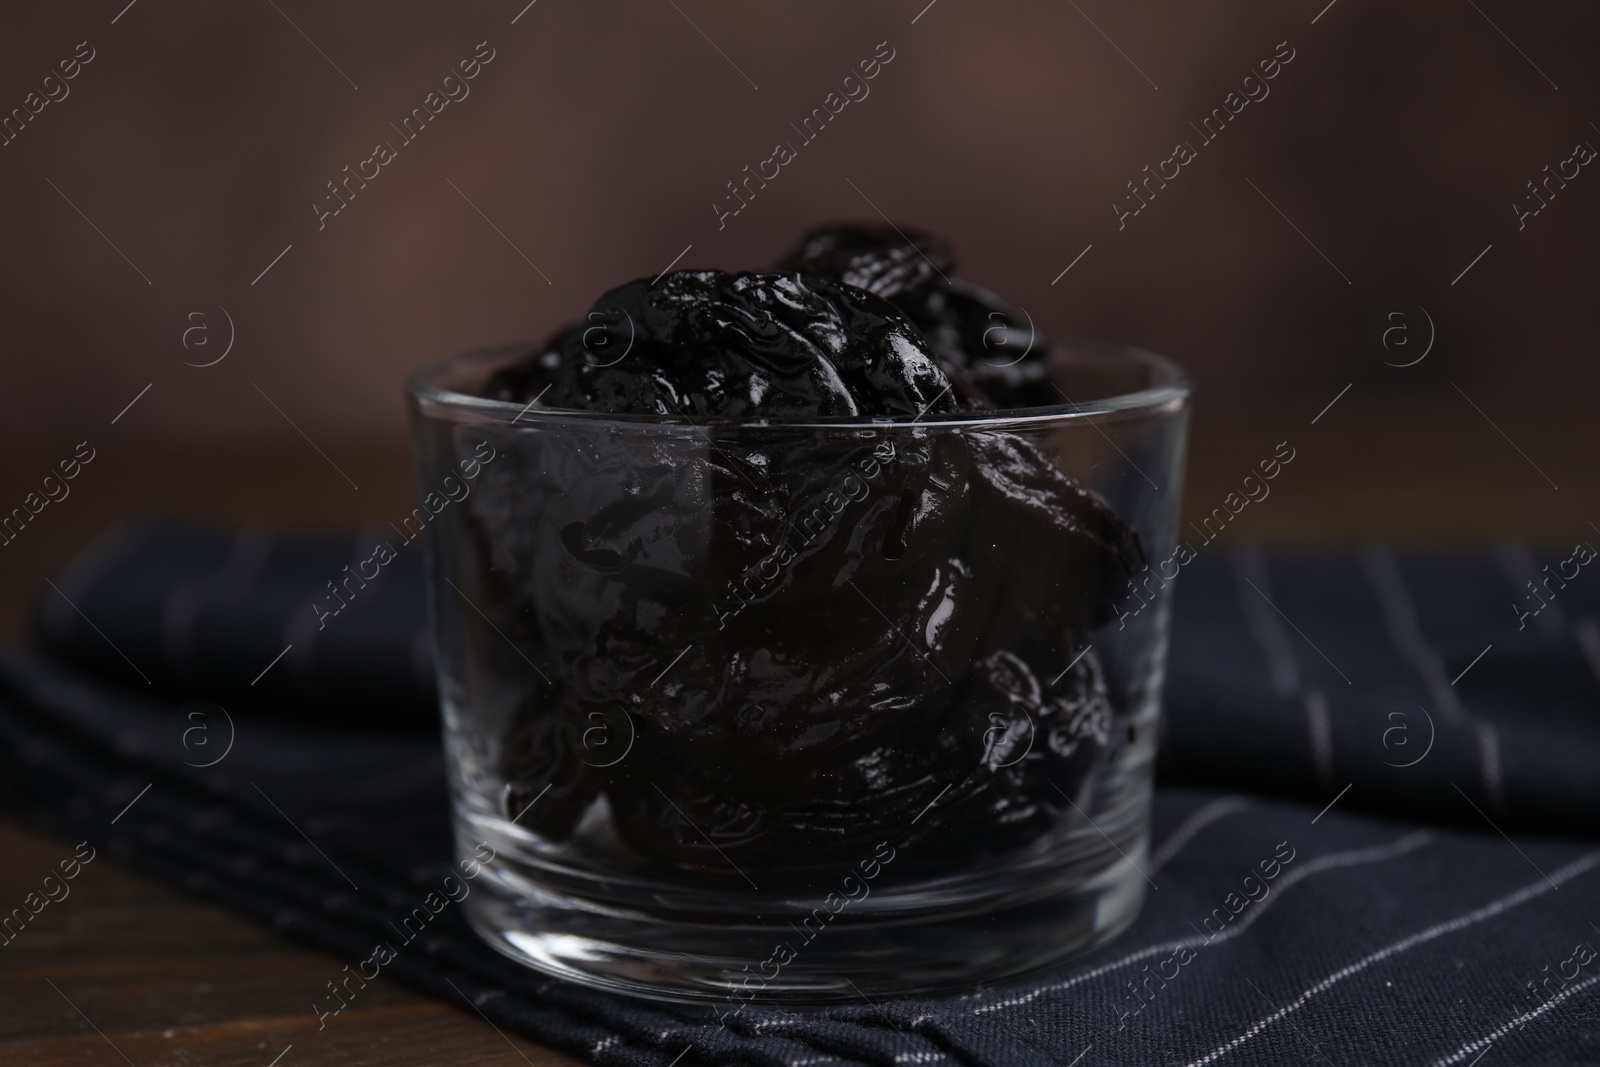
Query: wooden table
[[127, 970], [130, 970]]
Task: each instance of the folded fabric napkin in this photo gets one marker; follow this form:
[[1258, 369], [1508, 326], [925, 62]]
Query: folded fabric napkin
[[1367, 728], [204, 612]]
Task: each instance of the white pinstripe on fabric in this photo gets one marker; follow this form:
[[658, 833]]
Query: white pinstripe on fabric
[[1373, 854], [1202, 818], [1520, 568], [1577, 867], [1249, 565], [1587, 633], [1400, 620], [1515, 1024]]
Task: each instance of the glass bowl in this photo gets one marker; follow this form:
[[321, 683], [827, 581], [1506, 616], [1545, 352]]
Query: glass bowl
[[792, 710]]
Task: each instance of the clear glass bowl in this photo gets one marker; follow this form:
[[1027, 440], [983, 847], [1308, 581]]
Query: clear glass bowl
[[802, 709]]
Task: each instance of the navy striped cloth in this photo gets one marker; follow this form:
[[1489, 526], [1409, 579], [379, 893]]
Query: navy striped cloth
[[1374, 838]]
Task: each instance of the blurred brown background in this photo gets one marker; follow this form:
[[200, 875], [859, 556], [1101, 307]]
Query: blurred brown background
[[592, 148]]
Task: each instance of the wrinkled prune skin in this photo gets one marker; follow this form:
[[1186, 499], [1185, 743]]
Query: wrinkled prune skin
[[989, 348], [889, 262], [818, 640], [709, 343]]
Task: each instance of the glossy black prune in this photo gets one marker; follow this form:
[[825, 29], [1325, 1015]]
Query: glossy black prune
[[992, 776], [697, 343], [1040, 740], [989, 342], [816, 640], [890, 262], [989, 348]]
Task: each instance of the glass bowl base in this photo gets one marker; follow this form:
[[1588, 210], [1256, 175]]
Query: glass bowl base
[[916, 939]]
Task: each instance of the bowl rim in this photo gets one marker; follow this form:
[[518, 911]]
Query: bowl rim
[[1170, 395]]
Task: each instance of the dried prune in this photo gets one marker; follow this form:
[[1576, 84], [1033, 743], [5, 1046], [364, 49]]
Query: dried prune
[[703, 343], [817, 640], [884, 260]]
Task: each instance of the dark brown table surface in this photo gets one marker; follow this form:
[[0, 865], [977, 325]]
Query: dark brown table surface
[[128, 970]]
